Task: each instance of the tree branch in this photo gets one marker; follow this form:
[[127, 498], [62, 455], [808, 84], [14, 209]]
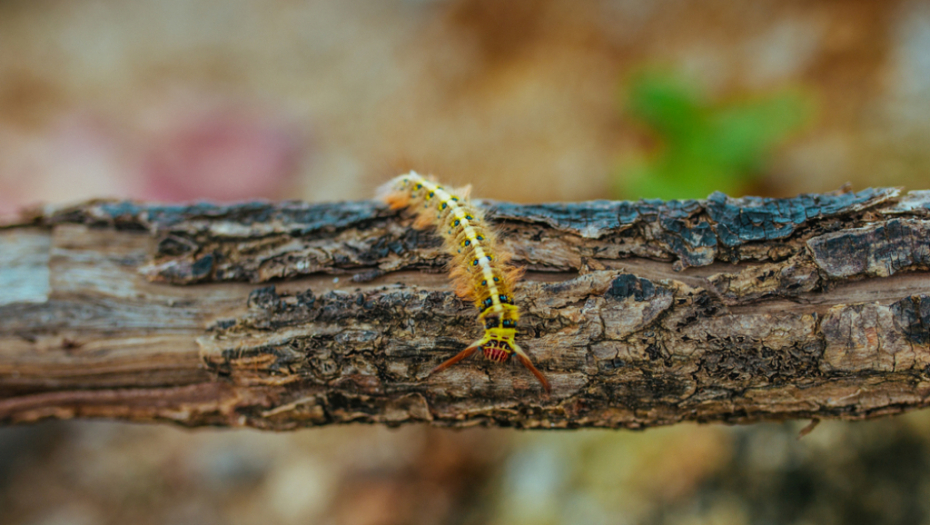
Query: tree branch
[[288, 315]]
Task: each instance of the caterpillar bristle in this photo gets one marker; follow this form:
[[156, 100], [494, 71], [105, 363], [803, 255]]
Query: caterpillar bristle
[[463, 285], [423, 221], [396, 200], [504, 255], [514, 274], [464, 290], [464, 192], [479, 267]]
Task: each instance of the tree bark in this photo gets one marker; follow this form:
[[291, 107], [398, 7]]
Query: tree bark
[[288, 315]]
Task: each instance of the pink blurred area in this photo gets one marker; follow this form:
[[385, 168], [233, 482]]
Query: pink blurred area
[[194, 150], [218, 153]]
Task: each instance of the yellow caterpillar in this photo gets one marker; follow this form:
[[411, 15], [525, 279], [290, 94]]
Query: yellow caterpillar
[[480, 268]]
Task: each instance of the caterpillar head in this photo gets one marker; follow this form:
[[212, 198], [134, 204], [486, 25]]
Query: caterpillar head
[[497, 351], [497, 344]]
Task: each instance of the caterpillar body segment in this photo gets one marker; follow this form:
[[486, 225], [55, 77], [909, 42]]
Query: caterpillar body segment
[[480, 269]]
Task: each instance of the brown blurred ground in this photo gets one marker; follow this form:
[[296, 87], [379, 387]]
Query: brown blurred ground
[[318, 100]]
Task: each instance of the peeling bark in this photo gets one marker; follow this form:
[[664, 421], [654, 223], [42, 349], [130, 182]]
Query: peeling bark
[[288, 315]]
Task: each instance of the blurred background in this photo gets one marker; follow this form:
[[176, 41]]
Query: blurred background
[[548, 100]]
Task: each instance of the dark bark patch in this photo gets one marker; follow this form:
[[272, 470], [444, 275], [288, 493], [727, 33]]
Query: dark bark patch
[[877, 250], [629, 285], [750, 219], [750, 363], [912, 317], [587, 219], [202, 267]]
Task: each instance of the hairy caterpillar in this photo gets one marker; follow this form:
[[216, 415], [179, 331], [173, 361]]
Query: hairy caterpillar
[[479, 267]]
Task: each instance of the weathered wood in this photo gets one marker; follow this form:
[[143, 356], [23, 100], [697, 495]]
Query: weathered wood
[[287, 315]]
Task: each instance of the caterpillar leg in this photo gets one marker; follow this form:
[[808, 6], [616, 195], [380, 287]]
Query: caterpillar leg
[[461, 355], [525, 359]]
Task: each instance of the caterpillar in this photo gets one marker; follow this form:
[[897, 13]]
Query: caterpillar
[[479, 267]]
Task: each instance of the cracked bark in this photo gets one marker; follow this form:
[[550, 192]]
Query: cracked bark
[[288, 315]]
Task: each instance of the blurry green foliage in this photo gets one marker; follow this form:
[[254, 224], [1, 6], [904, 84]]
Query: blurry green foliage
[[704, 146]]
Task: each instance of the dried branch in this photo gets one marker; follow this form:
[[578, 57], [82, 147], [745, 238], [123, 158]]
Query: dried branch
[[288, 315]]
